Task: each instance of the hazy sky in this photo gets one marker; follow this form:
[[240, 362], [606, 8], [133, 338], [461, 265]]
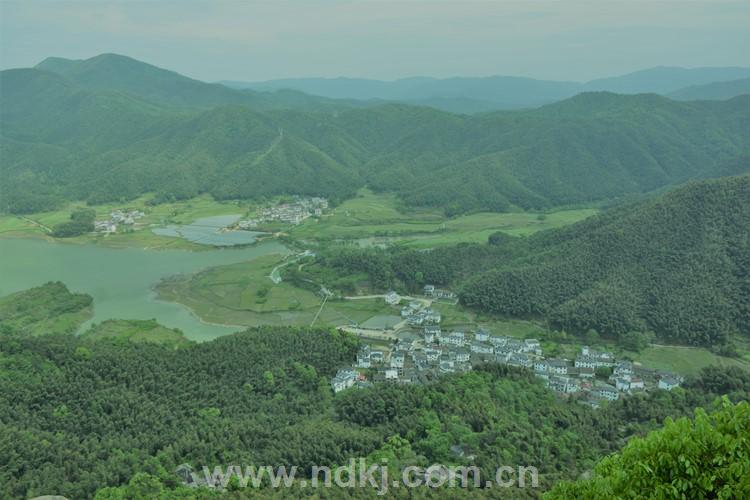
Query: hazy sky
[[383, 39]]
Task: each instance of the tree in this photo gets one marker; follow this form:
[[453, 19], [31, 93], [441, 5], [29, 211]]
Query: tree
[[708, 457]]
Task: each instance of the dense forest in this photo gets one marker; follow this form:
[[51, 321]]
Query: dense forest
[[78, 415], [95, 130]]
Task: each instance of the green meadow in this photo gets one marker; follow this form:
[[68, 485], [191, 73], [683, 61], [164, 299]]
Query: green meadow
[[244, 295]]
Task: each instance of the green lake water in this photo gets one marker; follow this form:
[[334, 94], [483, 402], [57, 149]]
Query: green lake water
[[120, 280]]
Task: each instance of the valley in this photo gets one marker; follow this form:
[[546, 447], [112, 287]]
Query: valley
[[424, 273]]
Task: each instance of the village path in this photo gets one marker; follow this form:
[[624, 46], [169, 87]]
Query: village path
[[36, 223], [369, 333]]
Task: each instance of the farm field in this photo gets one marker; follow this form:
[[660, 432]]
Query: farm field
[[373, 218]]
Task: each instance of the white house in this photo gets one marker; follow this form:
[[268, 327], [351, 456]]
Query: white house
[[431, 334], [363, 357], [605, 391], [585, 361], [557, 366], [623, 369], [481, 348], [391, 374], [397, 359], [462, 355], [622, 384], [482, 335], [565, 385], [447, 366], [668, 383], [518, 359], [376, 357], [636, 383], [432, 316], [392, 298], [455, 338], [540, 366], [344, 379], [432, 354], [498, 341]]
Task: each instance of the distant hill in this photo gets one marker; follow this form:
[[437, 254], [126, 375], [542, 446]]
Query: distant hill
[[678, 265], [713, 91], [62, 140], [127, 75], [472, 95], [450, 94], [665, 79]]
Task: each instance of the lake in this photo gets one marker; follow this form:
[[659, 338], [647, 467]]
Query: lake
[[210, 231], [120, 280]]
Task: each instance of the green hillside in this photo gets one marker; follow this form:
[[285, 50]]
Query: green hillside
[[714, 90], [678, 265], [85, 134], [708, 457], [47, 309]]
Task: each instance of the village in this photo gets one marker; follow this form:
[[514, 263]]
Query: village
[[291, 213], [591, 378], [118, 218]]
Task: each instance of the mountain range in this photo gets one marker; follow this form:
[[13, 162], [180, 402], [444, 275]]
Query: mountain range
[[469, 95], [112, 128]]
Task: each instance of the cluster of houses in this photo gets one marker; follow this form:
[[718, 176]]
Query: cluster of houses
[[416, 314], [292, 213], [440, 353], [118, 218]]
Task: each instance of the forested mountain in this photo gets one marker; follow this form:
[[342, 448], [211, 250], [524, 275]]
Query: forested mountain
[[127, 75], [678, 265], [475, 94], [62, 140], [713, 91]]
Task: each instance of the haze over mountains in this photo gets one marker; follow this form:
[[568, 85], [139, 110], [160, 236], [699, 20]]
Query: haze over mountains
[[468, 95], [113, 128], [122, 73]]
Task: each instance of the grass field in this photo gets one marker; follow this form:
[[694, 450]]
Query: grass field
[[685, 360], [242, 294]]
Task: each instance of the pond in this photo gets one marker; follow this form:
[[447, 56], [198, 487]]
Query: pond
[[211, 231], [120, 280]]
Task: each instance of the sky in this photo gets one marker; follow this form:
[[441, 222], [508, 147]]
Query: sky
[[251, 41]]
